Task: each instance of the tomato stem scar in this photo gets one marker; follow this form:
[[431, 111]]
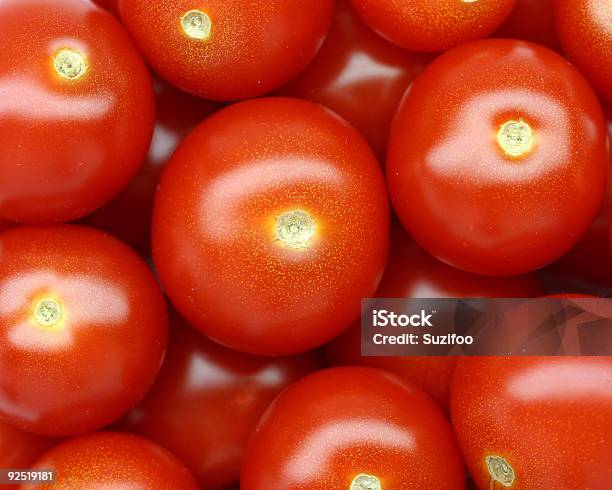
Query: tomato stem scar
[[196, 24], [500, 471], [69, 64], [365, 482], [515, 138], [47, 312], [295, 228]]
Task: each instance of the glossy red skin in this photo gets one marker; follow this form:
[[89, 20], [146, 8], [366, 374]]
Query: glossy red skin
[[112, 460], [102, 356], [532, 20], [18, 450], [423, 25], [359, 75], [460, 196], [549, 417], [413, 273], [207, 400], [214, 226], [585, 31], [129, 215], [254, 48], [68, 146], [588, 266], [333, 425]]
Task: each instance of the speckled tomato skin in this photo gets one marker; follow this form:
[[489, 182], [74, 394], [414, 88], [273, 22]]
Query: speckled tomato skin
[[585, 31], [423, 25], [254, 48], [103, 355], [335, 424], [413, 273], [19, 449], [206, 423], [113, 460], [214, 226], [549, 417], [68, 146], [459, 196], [358, 75]]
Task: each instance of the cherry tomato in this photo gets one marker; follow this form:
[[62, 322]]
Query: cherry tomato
[[535, 422], [208, 399], [359, 75], [107, 460], [352, 428], [490, 183], [128, 216], [83, 329], [18, 450], [532, 20], [270, 225], [228, 49], [423, 25], [585, 31], [76, 109], [412, 273]]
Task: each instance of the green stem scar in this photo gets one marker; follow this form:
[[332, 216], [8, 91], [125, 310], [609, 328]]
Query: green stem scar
[[365, 482], [196, 24], [295, 229], [500, 470], [47, 312], [69, 64]]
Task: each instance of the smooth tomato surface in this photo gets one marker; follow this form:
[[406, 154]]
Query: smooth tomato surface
[[489, 184], [207, 400], [585, 31], [106, 460], [228, 49], [532, 20], [129, 215], [359, 75], [76, 109], [270, 224], [413, 273], [535, 422], [83, 329], [342, 427], [423, 25]]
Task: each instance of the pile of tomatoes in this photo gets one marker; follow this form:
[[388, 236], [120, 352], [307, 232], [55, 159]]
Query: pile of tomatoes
[[195, 195]]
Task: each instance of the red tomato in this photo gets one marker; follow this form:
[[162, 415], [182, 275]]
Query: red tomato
[[270, 225], [208, 399], [108, 460], [412, 273], [532, 20], [18, 450], [83, 329], [352, 427], [423, 25], [585, 31], [490, 183], [228, 49], [76, 113], [359, 75], [128, 216], [535, 423]]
